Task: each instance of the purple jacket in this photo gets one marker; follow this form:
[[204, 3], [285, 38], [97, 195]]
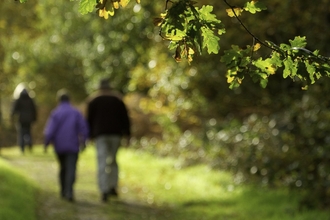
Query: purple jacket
[[66, 128]]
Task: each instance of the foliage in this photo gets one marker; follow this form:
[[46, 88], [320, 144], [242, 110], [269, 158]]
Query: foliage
[[287, 148], [104, 7], [77, 49], [191, 29], [296, 62]]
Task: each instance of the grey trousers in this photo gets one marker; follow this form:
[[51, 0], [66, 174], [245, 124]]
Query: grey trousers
[[107, 147]]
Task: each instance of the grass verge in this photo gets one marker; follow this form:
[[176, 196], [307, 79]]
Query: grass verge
[[197, 192], [17, 194]]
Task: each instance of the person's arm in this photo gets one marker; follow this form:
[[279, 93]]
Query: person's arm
[[49, 131], [14, 111], [83, 131], [34, 110], [89, 119], [126, 125]]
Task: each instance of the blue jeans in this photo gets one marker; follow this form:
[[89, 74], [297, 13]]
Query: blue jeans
[[67, 173], [107, 147]]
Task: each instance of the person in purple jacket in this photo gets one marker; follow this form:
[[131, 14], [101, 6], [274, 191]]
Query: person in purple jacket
[[67, 130]]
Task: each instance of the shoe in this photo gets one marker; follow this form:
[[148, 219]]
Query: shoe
[[68, 198], [104, 197], [113, 192]]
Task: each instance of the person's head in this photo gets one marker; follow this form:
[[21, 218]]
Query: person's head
[[104, 84], [63, 95], [24, 93]]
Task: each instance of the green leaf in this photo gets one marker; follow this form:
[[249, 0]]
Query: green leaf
[[86, 6], [265, 66], [285, 47], [290, 68], [221, 31], [231, 55], [311, 71], [276, 59], [195, 34], [298, 42], [22, 1], [264, 82], [210, 41], [254, 7], [173, 45], [206, 15]]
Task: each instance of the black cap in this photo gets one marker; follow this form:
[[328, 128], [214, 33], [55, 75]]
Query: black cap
[[104, 84]]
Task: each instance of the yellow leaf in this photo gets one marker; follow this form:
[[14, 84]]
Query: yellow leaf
[[230, 12], [111, 11], [173, 37], [231, 76], [190, 58], [103, 13], [123, 3], [271, 70], [230, 79], [138, 1], [106, 15], [191, 51], [304, 87], [115, 4], [256, 47]]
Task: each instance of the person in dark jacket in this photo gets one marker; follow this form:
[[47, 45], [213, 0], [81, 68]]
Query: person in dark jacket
[[25, 108], [108, 121], [67, 130]]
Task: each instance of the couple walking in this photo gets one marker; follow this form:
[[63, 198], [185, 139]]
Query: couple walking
[[107, 122]]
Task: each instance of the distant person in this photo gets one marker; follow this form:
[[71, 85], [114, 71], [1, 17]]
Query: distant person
[[67, 130], [108, 121], [25, 108]]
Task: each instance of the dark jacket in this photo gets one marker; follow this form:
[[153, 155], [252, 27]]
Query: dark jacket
[[107, 114], [25, 108]]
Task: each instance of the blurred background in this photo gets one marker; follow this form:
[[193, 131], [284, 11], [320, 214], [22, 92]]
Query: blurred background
[[278, 136]]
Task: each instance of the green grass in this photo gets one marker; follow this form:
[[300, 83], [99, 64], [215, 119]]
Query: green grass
[[201, 193], [17, 194], [152, 188]]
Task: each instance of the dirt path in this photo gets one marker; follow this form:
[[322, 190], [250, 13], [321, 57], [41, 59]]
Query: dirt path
[[43, 170]]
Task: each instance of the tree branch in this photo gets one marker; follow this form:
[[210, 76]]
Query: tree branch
[[247, 30]]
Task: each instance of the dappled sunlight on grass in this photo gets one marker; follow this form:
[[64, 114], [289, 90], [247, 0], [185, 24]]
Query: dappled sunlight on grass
[[161, 182]]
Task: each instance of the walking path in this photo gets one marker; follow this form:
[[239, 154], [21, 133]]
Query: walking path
[[43, 170]]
